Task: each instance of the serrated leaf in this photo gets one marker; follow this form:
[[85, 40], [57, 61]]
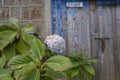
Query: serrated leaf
[[75, 72], [80, 77], [2, 61], [59, 63], [23, 47], [19, 60], [75, 63], [28, 38], [5, 71], [48, 72], [88, 68], [33, 75], [9, 51], [28, 28], [5, 74], [38, 49], [82, 56], [60, 74], [45, 78], [5, 27], [90, 60], [14, 21], [29, 67], [78, 56], [6, 37]]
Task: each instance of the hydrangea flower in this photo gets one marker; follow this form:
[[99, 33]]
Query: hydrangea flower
[[55, 43]]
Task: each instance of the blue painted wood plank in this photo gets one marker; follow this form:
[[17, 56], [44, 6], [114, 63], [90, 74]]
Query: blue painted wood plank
[[107, 2]]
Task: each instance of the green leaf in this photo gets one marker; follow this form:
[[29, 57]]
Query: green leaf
[[5, 71], [90, 60], [19, 61], [38, 49], [60, 74], [80, 77], [74, 54], [5, 74], [28, 38], [29, 67], [17, 74], [82, 56], [23, 47], [48, 72], [28, 28], [9, 51], [45, 78], [78, 56], [33, 75], [6, 37], [88, 68], [59, 63], [5, 27], [2, 61], [14, 22], [75, 62], [75, 72]]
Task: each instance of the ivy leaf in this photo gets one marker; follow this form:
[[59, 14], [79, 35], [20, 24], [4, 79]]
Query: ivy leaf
[[59, 63]]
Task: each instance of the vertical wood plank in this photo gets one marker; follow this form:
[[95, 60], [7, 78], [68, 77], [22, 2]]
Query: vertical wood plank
[[70, 23], [64, 24], [109, 59], [118, 42], [101, 55], [94, 44]]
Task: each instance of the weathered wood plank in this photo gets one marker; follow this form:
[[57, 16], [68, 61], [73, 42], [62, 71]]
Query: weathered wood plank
[[109, 61], [101, 55], [117, 57], [70, 22], [94, 44], [80, 27], [115, 52]]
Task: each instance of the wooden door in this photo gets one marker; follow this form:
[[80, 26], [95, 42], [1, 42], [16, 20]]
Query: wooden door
[[95, 31], [72, 23]]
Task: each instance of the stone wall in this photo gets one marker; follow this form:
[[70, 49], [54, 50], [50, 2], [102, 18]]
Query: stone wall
[[28, 11]]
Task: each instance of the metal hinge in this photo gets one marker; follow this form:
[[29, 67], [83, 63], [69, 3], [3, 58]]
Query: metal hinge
[[102, 42]]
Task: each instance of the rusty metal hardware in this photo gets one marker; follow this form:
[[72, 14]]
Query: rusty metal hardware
[[102, 42]]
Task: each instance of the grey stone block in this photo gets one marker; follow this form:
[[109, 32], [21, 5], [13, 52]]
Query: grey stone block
[[15, 12], [4, 13], [33, 13]]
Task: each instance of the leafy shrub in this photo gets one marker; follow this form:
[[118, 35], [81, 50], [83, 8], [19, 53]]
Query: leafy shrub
[[25, 57]]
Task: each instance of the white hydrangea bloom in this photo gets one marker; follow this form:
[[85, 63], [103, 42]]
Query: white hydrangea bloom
[[55, 43]]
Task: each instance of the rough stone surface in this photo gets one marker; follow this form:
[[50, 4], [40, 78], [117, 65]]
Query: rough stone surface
[[10, 2], [32, 13], [27, 11], [15, 12], [23, 2], [4, 13]]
